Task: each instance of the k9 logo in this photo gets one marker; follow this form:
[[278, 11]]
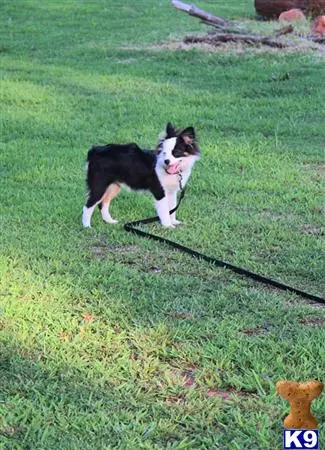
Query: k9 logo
[[300, 439]]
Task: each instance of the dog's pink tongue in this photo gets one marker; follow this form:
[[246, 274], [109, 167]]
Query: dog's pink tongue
[[173, 168]]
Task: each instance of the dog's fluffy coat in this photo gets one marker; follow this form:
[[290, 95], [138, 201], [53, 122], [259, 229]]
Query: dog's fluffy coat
[[112, 166]]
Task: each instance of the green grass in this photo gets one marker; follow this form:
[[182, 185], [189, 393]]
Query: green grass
[[109, 341]]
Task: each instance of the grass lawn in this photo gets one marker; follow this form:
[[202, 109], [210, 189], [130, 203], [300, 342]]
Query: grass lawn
[[109, 341]]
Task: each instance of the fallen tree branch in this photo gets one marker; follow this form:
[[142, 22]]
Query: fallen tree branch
[[220, 24], [317, 39], [230, 31], [285, 30], [231, 37], [216, 39], [192, 10]]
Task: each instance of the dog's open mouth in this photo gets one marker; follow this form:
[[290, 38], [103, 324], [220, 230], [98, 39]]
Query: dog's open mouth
[[173, 168]]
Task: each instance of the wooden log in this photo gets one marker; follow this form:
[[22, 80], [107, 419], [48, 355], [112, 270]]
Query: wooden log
[[192, 10]]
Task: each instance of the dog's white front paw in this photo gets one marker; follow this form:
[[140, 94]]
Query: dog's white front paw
[[168, 225], [177, 222], [110, 220]]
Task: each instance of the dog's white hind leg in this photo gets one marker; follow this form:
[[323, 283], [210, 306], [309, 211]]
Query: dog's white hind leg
[[87, 214], [110, 193]]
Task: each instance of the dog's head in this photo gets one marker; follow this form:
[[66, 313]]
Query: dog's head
[[177, 149]]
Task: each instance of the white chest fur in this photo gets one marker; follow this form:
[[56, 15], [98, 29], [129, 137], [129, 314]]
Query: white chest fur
[[170, 183]]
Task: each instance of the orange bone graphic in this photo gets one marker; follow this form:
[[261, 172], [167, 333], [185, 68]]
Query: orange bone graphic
[[300, 396]]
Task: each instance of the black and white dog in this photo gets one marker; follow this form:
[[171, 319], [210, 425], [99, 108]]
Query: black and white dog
[[112, 166]]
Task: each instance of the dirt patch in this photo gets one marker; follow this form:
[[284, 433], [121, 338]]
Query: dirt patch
[[318, 210], [318, 322], [309, 303], [141, 263], [88, 317], [7, 430], [122, 248], [226, 394], [189, 378], [312, 229], [315, 166], [229, 47], [175, 400], [100, 251], [179, 315], [65, 336], [255, 331], [275, 217], [185, 378], [317, 169]]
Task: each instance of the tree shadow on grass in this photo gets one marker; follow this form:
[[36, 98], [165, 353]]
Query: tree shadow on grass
[[59, 407]]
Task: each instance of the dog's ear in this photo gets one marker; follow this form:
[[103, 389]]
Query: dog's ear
[[188, 135], [170, 131]]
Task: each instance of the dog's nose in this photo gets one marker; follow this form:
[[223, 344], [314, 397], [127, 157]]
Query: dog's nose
[[167, 161]]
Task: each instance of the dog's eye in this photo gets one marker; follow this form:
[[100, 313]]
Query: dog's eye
[[177, 153]]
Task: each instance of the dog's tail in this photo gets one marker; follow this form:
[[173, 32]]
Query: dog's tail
[[91, 156], [96, 150]]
